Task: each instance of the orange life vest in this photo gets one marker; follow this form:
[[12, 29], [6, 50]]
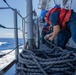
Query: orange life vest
[[63, 17]]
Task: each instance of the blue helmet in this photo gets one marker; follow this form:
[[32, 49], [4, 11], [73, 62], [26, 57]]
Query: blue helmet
[[43, 15], [57, 6]]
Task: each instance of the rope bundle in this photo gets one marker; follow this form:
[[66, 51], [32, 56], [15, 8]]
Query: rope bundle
[[50, 62]]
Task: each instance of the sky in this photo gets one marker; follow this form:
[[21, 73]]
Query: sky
[[7, 17]]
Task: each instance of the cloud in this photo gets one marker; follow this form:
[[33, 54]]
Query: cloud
[[11, 34]]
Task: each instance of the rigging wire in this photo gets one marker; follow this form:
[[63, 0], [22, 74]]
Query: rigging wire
[[28, 14], [13, 9], [17, 11]]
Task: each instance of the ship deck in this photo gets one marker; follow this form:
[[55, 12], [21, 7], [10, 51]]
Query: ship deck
[[7, 60], [10, 58]]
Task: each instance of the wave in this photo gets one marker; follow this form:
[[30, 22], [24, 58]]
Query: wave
[[9, 43], [1, 43]]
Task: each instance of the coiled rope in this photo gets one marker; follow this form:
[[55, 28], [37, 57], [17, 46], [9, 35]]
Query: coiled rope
[[54, 61]]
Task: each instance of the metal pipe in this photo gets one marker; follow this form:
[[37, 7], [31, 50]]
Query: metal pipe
[[23, 30], [16, 36], [25, 33], [37, 35], [4, 8], [29, 24]]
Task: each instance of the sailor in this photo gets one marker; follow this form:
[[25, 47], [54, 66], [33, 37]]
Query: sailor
[[46, 29], [64, 25]]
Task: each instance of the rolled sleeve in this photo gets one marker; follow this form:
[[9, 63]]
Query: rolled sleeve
[[54, 18]]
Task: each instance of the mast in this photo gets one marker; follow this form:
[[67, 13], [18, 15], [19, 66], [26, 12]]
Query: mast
[[29, 23]]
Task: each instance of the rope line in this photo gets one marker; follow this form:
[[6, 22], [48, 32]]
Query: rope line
[[54, 61]]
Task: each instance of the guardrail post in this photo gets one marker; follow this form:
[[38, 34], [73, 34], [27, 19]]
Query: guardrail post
[[16, 36]]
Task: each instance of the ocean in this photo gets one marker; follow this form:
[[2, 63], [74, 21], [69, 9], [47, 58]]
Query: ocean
[[9, 43]]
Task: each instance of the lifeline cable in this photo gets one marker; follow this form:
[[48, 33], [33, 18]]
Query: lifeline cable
[[17, 11], [10, 51], [13, 9]]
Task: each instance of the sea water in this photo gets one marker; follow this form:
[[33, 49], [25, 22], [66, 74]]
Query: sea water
[[9, 43]]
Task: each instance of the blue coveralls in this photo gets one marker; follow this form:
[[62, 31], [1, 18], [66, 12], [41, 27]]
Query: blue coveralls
[[64, 35]]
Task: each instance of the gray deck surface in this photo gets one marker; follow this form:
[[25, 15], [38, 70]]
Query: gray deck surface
[[11, 71]]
